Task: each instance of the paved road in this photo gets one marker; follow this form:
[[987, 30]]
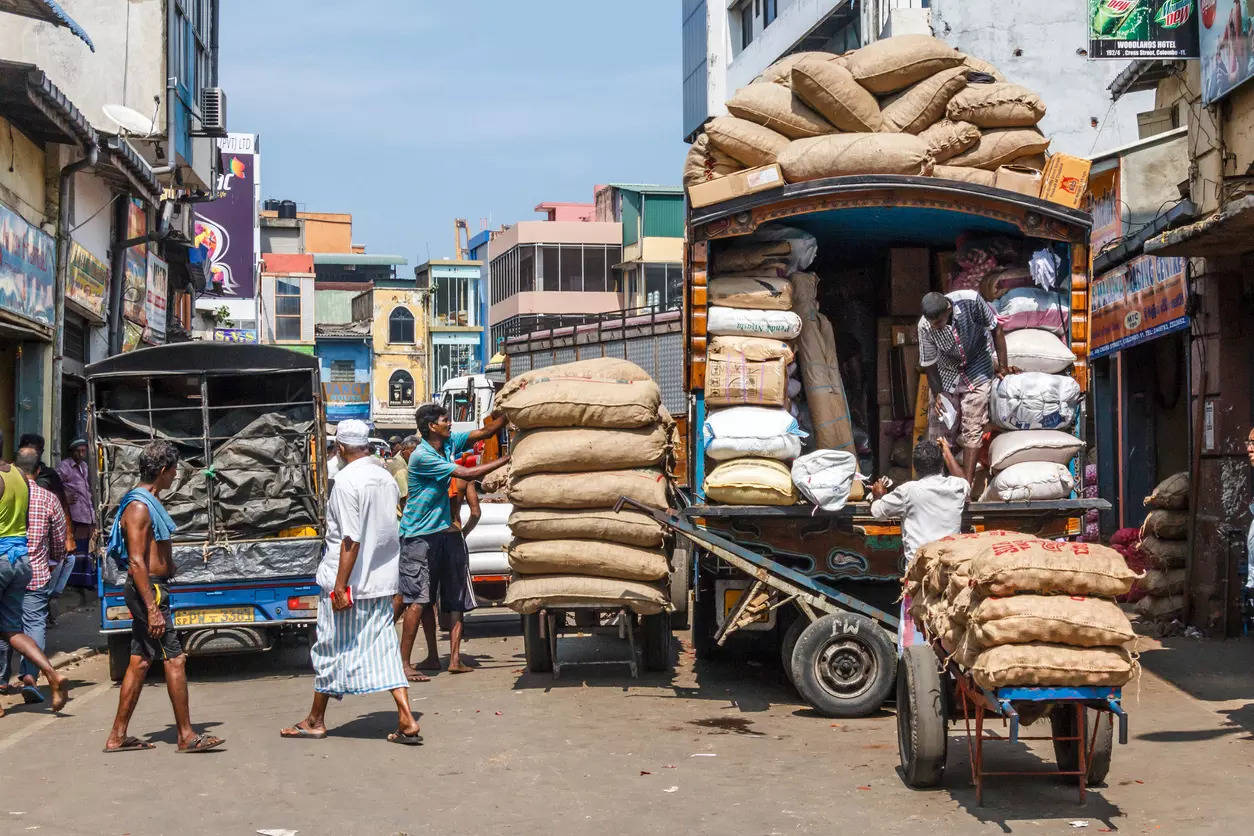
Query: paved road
[[715, 748]]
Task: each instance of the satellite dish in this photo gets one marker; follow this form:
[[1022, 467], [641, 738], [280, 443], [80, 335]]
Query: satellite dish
[[130, 121]]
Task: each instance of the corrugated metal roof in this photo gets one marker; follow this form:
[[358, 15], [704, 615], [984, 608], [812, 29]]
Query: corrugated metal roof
[[39, 109], [359, 258], [343, 330], [648, 188]]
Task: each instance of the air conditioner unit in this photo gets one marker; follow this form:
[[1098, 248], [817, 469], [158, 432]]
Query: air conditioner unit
[[213, 111]]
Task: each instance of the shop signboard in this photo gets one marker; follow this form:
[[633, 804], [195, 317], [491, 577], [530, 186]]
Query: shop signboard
[[1137, 302], [1227, 46], [227, 226], [1106, 208], [345, 400], [158, 283], [87, 283], [28, 259], [1140, 29], [132, 335], [235, 335], [135, 266]]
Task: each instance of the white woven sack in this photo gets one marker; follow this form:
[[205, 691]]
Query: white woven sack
[[1034, 401], [1033, 446], [1037, 350], [486, 538], [490, 513], [1030, 481], [741, 431], [825, 477], [782, 325]]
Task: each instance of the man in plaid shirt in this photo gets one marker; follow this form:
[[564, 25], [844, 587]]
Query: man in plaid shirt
[[45, 545]]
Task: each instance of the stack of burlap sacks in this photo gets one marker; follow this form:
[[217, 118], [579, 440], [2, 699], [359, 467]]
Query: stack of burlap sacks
[[905, 105], [1014, 609], [586, 434], [1164, 545]]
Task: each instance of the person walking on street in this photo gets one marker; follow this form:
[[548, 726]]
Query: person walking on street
[[958, 335], [73, 472], [139, 544], [16, 574], [45, 548], [434, 560], [355, 651]]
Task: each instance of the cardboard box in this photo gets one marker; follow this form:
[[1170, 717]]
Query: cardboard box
[[909, 278], [1018, 178], [749, 181], [1065, 180], [904, 374]]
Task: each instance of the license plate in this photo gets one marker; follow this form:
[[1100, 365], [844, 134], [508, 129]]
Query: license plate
[[222, 615]]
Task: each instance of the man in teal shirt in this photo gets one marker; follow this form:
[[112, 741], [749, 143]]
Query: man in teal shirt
[[434, 561]]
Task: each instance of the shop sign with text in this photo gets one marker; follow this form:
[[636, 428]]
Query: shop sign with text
[[28, 259], [1136, 302], [1140, 29], [87, 283]]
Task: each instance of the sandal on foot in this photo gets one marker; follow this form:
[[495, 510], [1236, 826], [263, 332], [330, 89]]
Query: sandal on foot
[[404, 739], [298, 731], [130, 744], [201, 743], [31, 695]]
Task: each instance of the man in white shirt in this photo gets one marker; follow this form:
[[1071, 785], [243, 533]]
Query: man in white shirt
[[930, 507], [356, 651]]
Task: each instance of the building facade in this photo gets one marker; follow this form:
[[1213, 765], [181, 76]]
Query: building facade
[[650, 274], [345, 359], [285, 302], [397, 312], [455, 325]]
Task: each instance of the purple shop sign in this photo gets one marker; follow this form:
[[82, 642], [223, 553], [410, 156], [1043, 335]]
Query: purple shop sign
[[227, 227]]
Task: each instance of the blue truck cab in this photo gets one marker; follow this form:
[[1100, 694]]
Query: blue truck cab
[[249, 500]]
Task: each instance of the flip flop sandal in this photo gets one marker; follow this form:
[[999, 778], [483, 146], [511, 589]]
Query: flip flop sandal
[[130, 744], [403, 739], [201, 743], [302, 732], [31, 695]]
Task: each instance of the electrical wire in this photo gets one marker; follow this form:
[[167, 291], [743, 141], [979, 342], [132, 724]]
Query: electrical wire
[[90, 217]]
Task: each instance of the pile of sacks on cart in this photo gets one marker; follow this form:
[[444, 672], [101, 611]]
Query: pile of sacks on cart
[[1160, 549]]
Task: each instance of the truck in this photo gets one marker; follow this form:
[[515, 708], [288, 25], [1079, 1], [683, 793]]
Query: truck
[[875, 235], [249, 500]]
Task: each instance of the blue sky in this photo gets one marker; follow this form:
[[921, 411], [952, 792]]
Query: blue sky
[[409, 114]]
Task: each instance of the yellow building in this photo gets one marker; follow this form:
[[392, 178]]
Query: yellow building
[[396, 309]]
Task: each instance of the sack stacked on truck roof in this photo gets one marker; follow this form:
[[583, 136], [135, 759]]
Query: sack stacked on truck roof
[[1165, 544], [899, 105], [589, 433]]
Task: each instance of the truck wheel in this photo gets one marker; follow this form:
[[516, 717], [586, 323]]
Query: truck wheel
[[1062, 721], [843, 665], [704, 625], [681, 580], [655, 633], [119, 655], [789, 643], [922, 734], [536, 645]]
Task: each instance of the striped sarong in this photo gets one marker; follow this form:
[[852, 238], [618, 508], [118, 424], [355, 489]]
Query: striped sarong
[[356, 651]]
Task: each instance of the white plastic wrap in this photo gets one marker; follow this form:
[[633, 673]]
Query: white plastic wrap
[[743, 431], [825, 477], [1034, 401], [782, 325]]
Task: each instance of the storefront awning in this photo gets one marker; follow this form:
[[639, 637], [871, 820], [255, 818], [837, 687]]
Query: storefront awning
[[1230, 231], [122, 166], [39, 109], [47, 11]]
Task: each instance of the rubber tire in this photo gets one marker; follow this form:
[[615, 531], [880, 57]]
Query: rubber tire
[[788, 643], [655, 641], [922, 731], [536, 645], [1062, 724], [704, 623], [864, 635], [119, 655]]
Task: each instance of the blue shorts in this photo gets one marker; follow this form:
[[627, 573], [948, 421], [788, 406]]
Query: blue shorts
[[13, 580]]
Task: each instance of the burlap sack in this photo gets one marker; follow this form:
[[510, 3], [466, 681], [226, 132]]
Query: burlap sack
[[775, 107], [946, 139], [923, 104], [765, 293], [605, 392], [732, 381], [1057, 665], [1164, 554], [1166, 525], [1061, 619], [979, 65], [576, 449], [1170, 494], [587, 557], [1001, 147], [1156, 607], [962, 603], [840, 155], [957, 549], [1048, 567], [1163, 583], [533, 593], [781, 71], [1036, 161], [752, 349], [830, 89], [895, 63], [750, 256], [601, 489], [978, 176], [820, 370], [751, 481], [704, 163], [750, 143], [631, 528], [1000, 105]]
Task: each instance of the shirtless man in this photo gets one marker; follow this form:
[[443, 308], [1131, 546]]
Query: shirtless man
[[140, 543]]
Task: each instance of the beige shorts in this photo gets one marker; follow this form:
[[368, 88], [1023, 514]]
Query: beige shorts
[[972, 409]]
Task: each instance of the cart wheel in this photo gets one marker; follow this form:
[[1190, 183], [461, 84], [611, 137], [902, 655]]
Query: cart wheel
[[1062, 724], [536, 645], [789, 643], [119, 655], [922, 735], [655, 632], [843, 665]]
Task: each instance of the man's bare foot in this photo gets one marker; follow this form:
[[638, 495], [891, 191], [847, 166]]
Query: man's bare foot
[[414, 675], [431, 663], [60, 693], [458, 667]]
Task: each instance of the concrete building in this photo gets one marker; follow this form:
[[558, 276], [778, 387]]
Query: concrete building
[[285, 301], [345, 356], [477, 250], [1042, 46], [397, 312], [455, 325], [652, 221]]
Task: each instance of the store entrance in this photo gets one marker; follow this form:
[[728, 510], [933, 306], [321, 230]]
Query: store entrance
[[1156, 419]]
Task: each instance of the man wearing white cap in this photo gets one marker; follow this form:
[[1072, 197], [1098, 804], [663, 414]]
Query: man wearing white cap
[[356, 651]]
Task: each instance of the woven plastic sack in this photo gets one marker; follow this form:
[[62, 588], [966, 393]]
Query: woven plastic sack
[[1166, 525], [947, 139], [774, 106], [605, 392], [529, 594], [631, 528], [1037, 350], [1047, 567], [783, 325], [825, 477], [601, 489], [1170, 494], [745, 141], [893, 64], [751, 481], [575, 449], [1061, 619], [1031, 307], [587, 557], [1019, 446], [1000, 105], [922, 105], [1002, 147], [1056, 665], [757, 293], [743, 431], [840, 155], [1030, 481], [828, 87], [1034, 401]]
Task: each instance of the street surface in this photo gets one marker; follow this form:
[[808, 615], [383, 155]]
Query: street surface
[[717, 748]]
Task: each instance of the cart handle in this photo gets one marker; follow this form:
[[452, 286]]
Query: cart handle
[[1013, 716], [1117, 710]]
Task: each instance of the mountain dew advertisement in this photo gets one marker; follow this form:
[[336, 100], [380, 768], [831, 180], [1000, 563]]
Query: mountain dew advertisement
[[1134, 29]]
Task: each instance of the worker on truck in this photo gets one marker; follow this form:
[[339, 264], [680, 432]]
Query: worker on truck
[[958, 334]]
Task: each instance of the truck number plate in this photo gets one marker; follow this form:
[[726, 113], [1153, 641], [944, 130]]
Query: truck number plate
[[222, 615]]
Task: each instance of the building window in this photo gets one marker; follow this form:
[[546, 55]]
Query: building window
[[343, 371], [454, 301], [401, 326], [746, 25], [286, 310], [770, 10], [192, 38], [453, 360], [400, 389]]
